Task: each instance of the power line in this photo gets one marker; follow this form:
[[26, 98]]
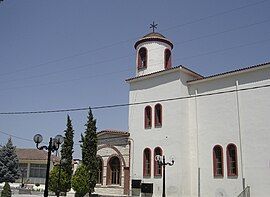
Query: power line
[[15, 136], [215, 15], [123, 105], [130, 104], [128, 40], [222, 32], [116, 72], [126, 56]]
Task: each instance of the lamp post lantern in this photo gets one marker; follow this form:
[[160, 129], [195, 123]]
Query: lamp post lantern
[[161, 161], [54, 145]]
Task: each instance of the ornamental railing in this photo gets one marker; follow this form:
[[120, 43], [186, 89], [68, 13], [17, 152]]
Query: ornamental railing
[[245, 193]]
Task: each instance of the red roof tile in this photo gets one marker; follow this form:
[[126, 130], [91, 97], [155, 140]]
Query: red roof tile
[[32, 154]]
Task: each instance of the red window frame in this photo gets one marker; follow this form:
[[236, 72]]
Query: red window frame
[[147, 162], [232, 162], [167, 59], [158, 116], [142, 54], [157, 168], [100, 171], [148, 117], [218, 160]]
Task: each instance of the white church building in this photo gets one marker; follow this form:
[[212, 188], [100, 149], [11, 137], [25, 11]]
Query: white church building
[[216, 129]]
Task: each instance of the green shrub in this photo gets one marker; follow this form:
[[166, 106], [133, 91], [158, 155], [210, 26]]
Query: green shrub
[[80, 181]]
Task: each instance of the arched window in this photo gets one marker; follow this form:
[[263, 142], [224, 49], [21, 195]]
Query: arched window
[[232, 168], [142, 58], [157, 168], [100, 171], [158, 115], [147, 117], [218, 161], [147, 162], [167, 59], [114, 171]]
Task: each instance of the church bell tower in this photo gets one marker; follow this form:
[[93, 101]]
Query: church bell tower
[[153, 53]]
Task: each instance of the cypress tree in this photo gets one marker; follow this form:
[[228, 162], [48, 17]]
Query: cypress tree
[[67, 151], [6, 192], [9, 163], [89, 150]]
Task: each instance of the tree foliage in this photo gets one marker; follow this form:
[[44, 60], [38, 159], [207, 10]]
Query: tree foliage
[[6, 192], [9, 163], [89, 151], [63, 184], [80, 181], [67, 151]]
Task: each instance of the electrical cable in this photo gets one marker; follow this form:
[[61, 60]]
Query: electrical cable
[[129, 104], [126, 56], [187, 57], [124, 41]]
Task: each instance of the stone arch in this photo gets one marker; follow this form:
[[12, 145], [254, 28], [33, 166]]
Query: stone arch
[[116, 150]]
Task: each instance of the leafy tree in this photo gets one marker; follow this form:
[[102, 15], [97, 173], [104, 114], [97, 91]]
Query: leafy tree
[[67, 151], [80, 181], [9, 163], [6, 192], [64, 182], [89, 151]]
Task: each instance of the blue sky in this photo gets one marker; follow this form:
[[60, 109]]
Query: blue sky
[[71, 54]]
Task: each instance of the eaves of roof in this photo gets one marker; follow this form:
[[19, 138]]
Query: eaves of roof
[[173, 69], [114, 132], [229, 73]]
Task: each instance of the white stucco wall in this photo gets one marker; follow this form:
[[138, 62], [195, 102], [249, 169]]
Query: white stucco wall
[[172, 137], [218, 124], [155, 57]]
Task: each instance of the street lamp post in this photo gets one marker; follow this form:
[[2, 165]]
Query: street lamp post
[[62, 161], [22, 171], [54, 145], [161, 161]]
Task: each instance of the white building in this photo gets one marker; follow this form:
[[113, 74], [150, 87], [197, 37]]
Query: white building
[[216, 128]]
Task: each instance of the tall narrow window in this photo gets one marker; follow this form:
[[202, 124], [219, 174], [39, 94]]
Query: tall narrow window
[[158, 115], [147, 162], [157, 168], [218, 161], [148, 117], [232, 168], [114, 171], [100, 171], [167, 59], [142, 58]]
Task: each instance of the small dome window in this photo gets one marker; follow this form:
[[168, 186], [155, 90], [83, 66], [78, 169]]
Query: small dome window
[[142, 58], [167, 59]]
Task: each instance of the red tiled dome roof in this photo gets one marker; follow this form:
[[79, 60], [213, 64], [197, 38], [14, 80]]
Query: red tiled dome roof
[[153, 36]]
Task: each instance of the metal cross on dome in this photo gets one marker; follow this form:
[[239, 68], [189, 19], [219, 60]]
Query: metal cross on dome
[[153, 26]]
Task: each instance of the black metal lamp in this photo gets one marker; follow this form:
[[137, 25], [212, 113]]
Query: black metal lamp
[[54, 145]]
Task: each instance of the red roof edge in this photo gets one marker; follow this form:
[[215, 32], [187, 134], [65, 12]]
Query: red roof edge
[[230, 72], [180, 66]]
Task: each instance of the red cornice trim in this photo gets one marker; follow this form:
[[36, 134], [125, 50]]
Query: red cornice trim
[[153, 39], [166, 70], [230, 72]]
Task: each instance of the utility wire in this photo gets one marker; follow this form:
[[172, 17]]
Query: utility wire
[[130, 104], [15, 136], [215, 15], [126, 56], [128, 40], [122, 105], [116, 72]]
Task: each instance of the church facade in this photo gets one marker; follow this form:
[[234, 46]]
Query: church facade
[[214, 130]]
